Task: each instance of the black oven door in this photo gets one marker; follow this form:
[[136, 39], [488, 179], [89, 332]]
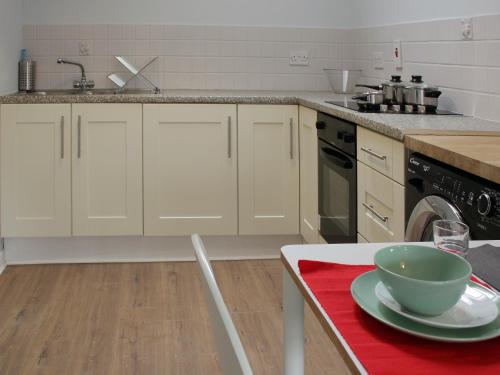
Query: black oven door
[[337, 194]]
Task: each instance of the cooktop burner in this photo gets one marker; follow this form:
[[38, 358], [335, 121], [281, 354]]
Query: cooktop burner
[[368, 108]]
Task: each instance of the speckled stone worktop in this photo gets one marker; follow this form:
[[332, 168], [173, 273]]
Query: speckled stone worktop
[[394, 126]]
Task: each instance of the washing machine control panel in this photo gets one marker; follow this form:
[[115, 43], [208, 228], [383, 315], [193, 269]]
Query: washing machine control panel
[[478, 200]]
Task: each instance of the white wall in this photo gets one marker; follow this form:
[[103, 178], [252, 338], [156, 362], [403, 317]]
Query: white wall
[[10, 43], [308, 13], [385, 12]]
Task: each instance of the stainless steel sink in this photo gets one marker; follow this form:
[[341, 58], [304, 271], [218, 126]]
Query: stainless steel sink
[[90, 92]]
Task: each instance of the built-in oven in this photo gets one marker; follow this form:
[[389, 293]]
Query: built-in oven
[[337, 179]]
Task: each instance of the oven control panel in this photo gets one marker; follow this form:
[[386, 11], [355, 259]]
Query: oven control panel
[[478, 200], [337, 132]]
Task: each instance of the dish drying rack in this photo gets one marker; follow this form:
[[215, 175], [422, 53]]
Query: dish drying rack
[[122, 82]]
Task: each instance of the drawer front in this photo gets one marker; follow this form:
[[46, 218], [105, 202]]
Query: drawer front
[[380, 206], [381, 153], [361, 239]]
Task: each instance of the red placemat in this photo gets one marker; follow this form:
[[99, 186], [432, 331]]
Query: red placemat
[[382, 349]]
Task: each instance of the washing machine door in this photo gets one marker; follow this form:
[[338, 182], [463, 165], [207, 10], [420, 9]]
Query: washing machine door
[[425, 212]]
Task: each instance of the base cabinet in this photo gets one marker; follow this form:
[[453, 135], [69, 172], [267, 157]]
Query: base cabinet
[[381, 214], [308, 137], [158, 170], [268, 169], [107, 169], [36, 170], [190, 169], [361, 239]]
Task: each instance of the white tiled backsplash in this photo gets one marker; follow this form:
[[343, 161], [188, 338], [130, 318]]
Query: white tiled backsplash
[[256, 58], [191, 57], [468, 72]]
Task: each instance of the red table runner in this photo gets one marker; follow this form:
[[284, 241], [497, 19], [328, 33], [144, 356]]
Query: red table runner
[[382, 349]]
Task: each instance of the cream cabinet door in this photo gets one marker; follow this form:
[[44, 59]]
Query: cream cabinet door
[[36, 170], [381, 206], [268, 169], [107, 169], [190, 169], [308, 174]]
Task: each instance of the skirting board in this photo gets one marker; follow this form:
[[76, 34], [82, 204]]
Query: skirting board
[[140, 249]]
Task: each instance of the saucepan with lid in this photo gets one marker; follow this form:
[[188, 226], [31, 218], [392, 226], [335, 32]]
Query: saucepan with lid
[[420, 94], [393, 90]]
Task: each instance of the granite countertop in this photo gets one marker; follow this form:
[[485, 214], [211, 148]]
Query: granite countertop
[[392, 125]]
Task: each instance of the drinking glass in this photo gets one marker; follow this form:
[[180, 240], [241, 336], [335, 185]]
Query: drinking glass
[[451, 236]]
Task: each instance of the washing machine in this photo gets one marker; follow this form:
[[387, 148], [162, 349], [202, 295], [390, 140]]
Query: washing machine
[[436, 191]]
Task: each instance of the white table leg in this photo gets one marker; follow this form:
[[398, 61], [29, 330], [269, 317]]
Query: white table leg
[[293, 327]]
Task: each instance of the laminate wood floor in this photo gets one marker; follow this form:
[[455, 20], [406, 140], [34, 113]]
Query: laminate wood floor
[[143, 318]]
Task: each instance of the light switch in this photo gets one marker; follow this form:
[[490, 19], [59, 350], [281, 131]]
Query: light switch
[[397, 54]]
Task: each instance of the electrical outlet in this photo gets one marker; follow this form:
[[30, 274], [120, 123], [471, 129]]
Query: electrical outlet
[[397, 54], [299, 58], [378, 60], [84, 48], [466, 29]]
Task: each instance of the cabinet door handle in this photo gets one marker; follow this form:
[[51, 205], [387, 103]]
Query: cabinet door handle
[[373, 153], [79, 129], [291, 138], [370, 208], [62, 137], [229, 146]]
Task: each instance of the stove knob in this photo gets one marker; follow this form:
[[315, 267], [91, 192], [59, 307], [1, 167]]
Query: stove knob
[[320, 125], [484, 204]]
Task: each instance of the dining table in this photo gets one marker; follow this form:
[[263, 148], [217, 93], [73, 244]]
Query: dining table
[[296, 291]]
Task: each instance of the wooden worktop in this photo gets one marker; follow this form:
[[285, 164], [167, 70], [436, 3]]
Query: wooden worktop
[[476, 154]]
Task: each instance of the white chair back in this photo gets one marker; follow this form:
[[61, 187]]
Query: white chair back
[[232, 357]]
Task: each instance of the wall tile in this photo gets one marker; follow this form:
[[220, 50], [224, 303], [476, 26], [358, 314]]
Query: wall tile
[[242, 57], [142, 32]]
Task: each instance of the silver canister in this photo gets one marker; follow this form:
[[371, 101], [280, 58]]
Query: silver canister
[[27, 75]]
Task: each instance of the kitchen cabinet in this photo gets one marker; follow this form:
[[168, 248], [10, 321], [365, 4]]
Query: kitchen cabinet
[[381, 214], [361, 239], [308, 175], [190, 169], [381, 153], [107, 169], [268, 169], [36, 170]]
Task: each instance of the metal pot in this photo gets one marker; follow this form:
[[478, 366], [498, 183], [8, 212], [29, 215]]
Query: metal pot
[[419, 94], [372, 97], [392, 90]]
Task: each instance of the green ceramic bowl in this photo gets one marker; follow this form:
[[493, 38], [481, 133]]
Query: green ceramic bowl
[[423, 279]]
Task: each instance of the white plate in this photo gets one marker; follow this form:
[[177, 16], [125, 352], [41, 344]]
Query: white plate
[[474, 309]]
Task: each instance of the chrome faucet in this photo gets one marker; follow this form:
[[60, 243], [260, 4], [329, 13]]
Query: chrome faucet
[[83, 83]]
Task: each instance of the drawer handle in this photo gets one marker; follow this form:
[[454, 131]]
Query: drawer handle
[[229, 147], [373, 153], [62, 137], [370, 208], [79, 129]]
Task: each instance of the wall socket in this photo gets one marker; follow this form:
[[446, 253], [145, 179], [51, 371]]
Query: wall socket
[[84, 48], [300, 58], [466, 29]]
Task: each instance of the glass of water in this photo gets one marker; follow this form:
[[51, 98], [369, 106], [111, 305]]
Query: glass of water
[[451, 236]]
